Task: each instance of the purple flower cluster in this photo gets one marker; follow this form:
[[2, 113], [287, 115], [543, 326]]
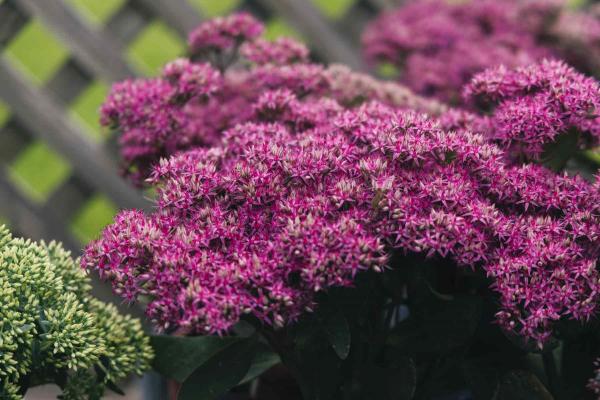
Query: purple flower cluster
[[594, 382], [152, 113], [576, 37], [314, 174], [282, 51], [530, 107], [439, 45], [224, 33], [192, 104]]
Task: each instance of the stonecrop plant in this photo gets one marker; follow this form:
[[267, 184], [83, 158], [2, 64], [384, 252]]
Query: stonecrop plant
[[52, 331], [376, 243], [437, 45]]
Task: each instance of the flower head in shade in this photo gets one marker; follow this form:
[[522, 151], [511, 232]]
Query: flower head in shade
[[594, 382], [49, 322]]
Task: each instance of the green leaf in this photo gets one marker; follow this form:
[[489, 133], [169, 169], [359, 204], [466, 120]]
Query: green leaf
[[438, 326], [557, 153], [264, 359], [112, 386], [392, 383], [26, 328], [177, 357], [482, 378], [220, 373], [522, 385], [338, 334]]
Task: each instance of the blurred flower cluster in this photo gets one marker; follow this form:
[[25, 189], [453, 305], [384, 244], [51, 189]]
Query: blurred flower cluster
[[439, 45]]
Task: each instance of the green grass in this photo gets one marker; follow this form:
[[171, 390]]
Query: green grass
[[212, 8], [36, 52], [38, 171], [85, 109], [92, 218], [96, 12], [154, 47], [333, 9]]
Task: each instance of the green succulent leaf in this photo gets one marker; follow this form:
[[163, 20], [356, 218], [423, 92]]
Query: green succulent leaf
[[177, 357], [391, 383], [338, 334], [522, 385], [558, 153], [222, 371], [264, 359]]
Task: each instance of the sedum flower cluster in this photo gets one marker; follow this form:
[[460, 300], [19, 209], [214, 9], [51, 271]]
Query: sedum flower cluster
[[525, 109], [53, 331], [278, 178], [439, 45]]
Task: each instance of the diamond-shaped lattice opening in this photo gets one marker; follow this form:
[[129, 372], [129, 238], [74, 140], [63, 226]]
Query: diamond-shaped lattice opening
[[277, 27], [154, 47], [211, 8], [36, 52], [96, 12], [334, 9], [3, 220], [38, 171], [92, 218], [387, 70], [85, 109], [4, 113]]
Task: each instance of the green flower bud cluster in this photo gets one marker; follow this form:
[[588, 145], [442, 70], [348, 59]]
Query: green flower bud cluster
[[53, 331]]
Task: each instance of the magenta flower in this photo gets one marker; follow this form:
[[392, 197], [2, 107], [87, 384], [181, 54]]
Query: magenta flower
[[439, 45], [281, 51], [224, 33], [295, 177], [151, 113], [535, 104]]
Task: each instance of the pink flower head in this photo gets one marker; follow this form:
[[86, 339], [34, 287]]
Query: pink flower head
[[297, 177], [224, 33], [533, 105], [281, 51], [151, 115]]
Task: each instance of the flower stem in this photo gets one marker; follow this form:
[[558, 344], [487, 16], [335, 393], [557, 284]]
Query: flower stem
[[552, 374]]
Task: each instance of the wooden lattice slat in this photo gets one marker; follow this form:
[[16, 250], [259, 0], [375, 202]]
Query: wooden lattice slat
[[127, 23], [327, 43], [29, 220], [44, 118], [94, 50], [11, 21], [178, 14]]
